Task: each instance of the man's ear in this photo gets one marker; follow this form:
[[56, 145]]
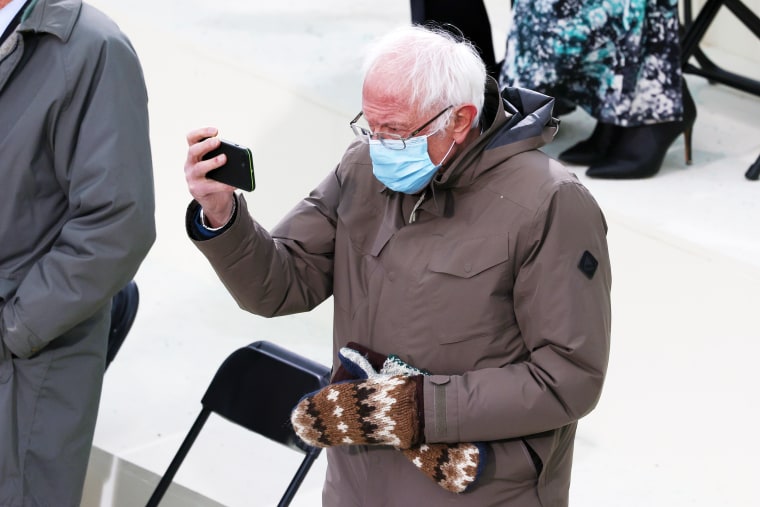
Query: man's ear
[[462, 119]]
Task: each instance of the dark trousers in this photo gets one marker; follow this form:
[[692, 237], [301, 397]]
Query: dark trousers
[[469, 16]]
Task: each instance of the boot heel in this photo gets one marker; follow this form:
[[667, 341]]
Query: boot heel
[[687, 144], [689, 119], [638, 151]]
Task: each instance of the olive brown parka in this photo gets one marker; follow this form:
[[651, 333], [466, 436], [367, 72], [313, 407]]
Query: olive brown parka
[[498, 283]]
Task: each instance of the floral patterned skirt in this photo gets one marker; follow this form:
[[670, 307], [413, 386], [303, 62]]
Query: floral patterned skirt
[[619, 60]]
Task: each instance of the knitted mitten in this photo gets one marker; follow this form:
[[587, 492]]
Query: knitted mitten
[[454, 467], [360, 362], [376, 411]]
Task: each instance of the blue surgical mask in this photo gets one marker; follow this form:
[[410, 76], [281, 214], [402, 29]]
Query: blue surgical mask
[[407, 170]]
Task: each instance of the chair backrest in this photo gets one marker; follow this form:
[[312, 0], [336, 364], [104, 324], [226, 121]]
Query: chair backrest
[[257, 387], [123, 311]]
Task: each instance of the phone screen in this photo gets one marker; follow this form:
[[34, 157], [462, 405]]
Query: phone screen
[[238, 170]]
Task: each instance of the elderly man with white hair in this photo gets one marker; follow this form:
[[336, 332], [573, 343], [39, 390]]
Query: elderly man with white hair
[[470, 280]]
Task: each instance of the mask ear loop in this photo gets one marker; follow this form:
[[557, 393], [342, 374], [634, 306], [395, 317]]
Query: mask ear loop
[[448, 118], [413, 215], [447, 153]]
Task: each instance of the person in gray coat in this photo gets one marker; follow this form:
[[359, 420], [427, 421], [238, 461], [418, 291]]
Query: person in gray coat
[[76, 221], [470, 281]]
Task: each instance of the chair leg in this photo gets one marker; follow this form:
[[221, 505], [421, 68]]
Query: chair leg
[[299, 476], [168, 476], [696, 29]]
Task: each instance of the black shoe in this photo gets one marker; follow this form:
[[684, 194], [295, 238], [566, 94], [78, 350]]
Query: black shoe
[[563, 106], [639, 151], [593, 149]]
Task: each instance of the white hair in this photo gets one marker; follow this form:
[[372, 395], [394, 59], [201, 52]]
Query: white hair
[[430, 66]]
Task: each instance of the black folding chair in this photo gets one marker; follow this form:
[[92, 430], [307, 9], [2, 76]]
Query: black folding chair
[[241, 392], [695, 29], [123, 311]]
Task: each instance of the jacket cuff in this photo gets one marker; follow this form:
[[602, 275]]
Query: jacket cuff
[[440, 408], [194, 225]]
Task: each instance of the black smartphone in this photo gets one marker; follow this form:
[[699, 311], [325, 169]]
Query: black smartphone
[[238, 171]]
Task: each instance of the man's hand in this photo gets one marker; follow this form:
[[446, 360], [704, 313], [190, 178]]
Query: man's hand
[[215, 198], [454, 467], [376, 411]]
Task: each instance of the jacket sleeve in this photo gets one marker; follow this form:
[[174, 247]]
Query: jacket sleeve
[[285, 272], [562, 305], [101, 148]]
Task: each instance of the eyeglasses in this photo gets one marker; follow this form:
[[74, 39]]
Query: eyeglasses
[[390, 141]]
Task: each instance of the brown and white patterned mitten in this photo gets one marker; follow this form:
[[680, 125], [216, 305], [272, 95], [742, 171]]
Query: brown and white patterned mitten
[[454, 467], [376, 411]]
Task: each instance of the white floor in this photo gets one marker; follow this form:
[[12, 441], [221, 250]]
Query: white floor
[[676, 423]]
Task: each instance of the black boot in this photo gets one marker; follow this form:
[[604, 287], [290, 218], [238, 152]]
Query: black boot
[[563, 106], [594, 148], [639, 151]]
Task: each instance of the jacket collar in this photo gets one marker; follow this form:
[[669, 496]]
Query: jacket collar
[[56, 17], [513, 121]]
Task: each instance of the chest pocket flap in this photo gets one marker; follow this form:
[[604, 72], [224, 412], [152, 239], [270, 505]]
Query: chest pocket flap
[[469, 257]]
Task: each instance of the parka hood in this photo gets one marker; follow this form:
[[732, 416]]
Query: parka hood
[[513, 121]]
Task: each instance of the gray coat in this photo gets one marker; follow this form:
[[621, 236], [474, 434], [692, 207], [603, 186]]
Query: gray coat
[[500, 288], [76, 221]]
